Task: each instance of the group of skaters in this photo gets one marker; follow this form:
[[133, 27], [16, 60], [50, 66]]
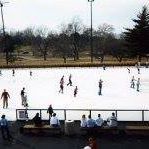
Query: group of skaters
[[5, 96], [133, 84], [68, 84], [76, 88], [99, 122]]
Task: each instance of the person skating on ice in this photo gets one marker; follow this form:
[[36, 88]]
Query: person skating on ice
[[138, 67], [23, 97], [50, 111], [13, 72], [70, 81], [5, 95], [25, 100], [75, 91], [138, 70], [30, 73], [61, 85], [138, 84], [100, 86], [132, 82], [104, 67], [128, 70]]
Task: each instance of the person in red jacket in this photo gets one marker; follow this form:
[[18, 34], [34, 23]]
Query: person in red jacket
[[92, 143]]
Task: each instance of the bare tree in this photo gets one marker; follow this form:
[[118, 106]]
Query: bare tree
[[103, 34], [40, 41]]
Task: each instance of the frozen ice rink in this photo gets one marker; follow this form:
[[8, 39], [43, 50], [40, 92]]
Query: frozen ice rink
[[43, 86]]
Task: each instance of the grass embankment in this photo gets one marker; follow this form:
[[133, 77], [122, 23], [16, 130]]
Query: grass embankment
[[58, 62]]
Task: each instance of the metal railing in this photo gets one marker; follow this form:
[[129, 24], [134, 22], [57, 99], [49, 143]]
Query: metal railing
[[89, 111]]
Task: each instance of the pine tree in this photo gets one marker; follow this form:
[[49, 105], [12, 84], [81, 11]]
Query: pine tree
[[137, 38]]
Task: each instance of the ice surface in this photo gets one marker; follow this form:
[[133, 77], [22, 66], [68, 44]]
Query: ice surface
[[43, 86]]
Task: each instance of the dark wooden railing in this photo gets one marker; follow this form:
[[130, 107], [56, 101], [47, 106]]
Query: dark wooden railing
[[116, 111]]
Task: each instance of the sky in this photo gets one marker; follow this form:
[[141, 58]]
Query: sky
[[20, 14]]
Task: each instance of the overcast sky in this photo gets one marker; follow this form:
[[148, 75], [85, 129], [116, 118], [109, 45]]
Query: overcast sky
[[20, 14]]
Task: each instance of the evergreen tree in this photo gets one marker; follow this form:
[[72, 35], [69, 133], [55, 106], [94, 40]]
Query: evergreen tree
[[137, 38]]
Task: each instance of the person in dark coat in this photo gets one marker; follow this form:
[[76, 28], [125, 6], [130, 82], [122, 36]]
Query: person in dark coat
[[37, 120], [50, 111], [75, 91], [61, 85], [70, 81], [100, 86]]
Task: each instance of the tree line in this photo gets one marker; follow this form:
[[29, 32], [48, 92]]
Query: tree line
[[73, 40]]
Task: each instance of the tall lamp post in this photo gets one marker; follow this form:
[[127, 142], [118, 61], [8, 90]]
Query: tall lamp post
[[3, 28], [91, 38]]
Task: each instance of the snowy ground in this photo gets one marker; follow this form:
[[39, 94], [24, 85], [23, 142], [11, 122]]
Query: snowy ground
[[43, 86]]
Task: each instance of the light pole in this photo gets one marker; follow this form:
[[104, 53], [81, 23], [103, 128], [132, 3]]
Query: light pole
[[4, 35], [91, 38]]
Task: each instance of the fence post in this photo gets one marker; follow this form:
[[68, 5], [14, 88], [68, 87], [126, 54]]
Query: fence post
[[116, 113], [142, 115], [40, 114], [65, 114], [16, 114], [90, 113]]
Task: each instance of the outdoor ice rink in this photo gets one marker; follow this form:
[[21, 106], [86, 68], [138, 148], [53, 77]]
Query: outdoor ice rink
[[43, 86]]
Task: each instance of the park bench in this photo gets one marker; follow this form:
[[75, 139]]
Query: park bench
[[97, 130], [44, 129], [127, 130], [137, 130]]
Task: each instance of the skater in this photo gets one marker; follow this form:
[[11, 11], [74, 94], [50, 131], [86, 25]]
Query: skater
[[138, 67], [75, 91], [23, 97], [70, 82], [30, 73], [100, 86], [132, 82], [5, 95], [138, 70], [26, 113], [104, 67], [50, 111], [13, 72], [138, 84], [25, 100], [61, 85], [128, 70]]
